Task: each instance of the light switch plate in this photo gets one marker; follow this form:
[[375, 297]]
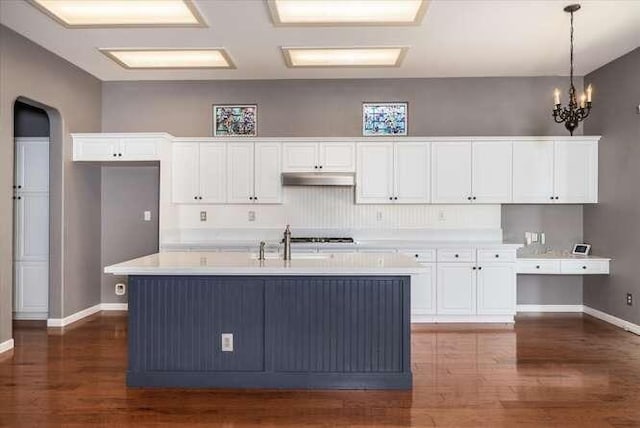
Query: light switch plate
[[147, 216], [203, 216], [252, 216], [227, 342]]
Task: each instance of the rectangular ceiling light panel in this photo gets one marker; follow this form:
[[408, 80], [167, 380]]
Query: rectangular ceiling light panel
[[170, 58], [344, 57], [128, 13], [347, 12]]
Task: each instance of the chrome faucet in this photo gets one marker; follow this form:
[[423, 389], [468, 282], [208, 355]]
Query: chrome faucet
[[261, 253], [287, 243]]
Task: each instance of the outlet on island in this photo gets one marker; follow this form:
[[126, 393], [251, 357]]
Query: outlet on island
[[227, 342]]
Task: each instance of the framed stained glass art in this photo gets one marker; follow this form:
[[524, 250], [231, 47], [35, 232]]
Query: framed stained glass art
[[235, 120], [384, 118]]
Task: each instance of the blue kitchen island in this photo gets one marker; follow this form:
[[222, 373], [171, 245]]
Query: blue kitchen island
[[228, 320]]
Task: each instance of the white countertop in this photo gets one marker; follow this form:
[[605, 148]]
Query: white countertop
[[229, 263], [558, 256]]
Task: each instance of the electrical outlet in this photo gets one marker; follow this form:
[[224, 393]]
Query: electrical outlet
[[147, 216], [227, 342], [379, 216], [629, 299], [441, 216], [252, 216], [203, 216], [121, 289]]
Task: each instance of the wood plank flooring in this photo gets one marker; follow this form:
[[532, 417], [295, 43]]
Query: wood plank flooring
[[549, 371]]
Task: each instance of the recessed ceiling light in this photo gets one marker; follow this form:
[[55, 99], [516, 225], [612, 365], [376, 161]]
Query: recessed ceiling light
[[347, 12], [344, 57], [116, 13], [170, 58]]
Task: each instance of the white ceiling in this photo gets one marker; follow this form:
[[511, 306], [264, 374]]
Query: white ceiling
[[457, 38]]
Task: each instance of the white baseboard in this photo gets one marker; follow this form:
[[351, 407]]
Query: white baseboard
[[444, 319], [619, 322], [63, 322], [6, 346], [550, 308], [115, 306], [30, 316]]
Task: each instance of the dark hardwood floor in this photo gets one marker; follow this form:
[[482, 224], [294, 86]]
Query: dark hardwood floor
[[550, 370]]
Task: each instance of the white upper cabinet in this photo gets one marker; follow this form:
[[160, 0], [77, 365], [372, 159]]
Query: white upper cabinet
[[330, 156], [117, 147], [240, 173], [412, 181], [576, 172], [563, 171], [268, 170], [254, 171], [375, 173], [451, 172], [533, 172], [199, 173], [491, 172], [213, 173]]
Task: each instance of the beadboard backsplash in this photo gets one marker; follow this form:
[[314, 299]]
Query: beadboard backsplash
[[334, 208]]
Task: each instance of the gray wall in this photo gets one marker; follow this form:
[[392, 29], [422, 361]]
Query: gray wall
[[612, 226], [562, 225], [127, 191], [71, 98], [447, 107], [29, 121]]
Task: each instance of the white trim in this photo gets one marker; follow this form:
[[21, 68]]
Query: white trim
[[471, 319], [550, 308], [618, 322], [114, 307], [30, 316], [62, 322], [6, 346]]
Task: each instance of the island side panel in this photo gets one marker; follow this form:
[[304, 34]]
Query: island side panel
[[289, 332]]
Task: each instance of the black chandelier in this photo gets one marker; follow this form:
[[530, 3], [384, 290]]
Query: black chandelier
[[573, 113]]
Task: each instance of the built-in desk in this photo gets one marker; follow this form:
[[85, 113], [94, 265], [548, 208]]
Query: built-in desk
[[562, 264]]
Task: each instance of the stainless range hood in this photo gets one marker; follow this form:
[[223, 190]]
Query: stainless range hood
[[318, 179]]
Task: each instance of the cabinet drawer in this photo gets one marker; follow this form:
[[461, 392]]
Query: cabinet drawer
[[584, 266], [496, 255], [539, 266], [457, 255], [421, 256]]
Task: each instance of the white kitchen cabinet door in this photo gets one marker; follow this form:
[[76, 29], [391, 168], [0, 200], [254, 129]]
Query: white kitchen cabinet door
[[456, 289], [240, 170], [533, 172], [185, 187], [492, 172], [139, 149], [497, 289], [300, 157], [375, 173], [423, 292], [32, 164], [268, 170], [576, 172], [32, 226], [31, 300], [95, 149], [213, 173], [451, 172], [412, 173], [337, 157]]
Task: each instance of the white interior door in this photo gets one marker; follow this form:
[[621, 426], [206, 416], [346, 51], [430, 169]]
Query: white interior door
[[268, 170], [533, 172], [240, 169], [451, 172], [375, 173], [185, 182], [576, 172], [492, 172], [213, 173], [412, 173], [31, 229]]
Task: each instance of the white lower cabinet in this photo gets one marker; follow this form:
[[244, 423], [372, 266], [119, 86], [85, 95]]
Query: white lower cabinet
[[456, 289], [423, 293], [496, 287]]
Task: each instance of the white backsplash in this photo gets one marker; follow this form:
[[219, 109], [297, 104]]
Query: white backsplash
[[335, 208]]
